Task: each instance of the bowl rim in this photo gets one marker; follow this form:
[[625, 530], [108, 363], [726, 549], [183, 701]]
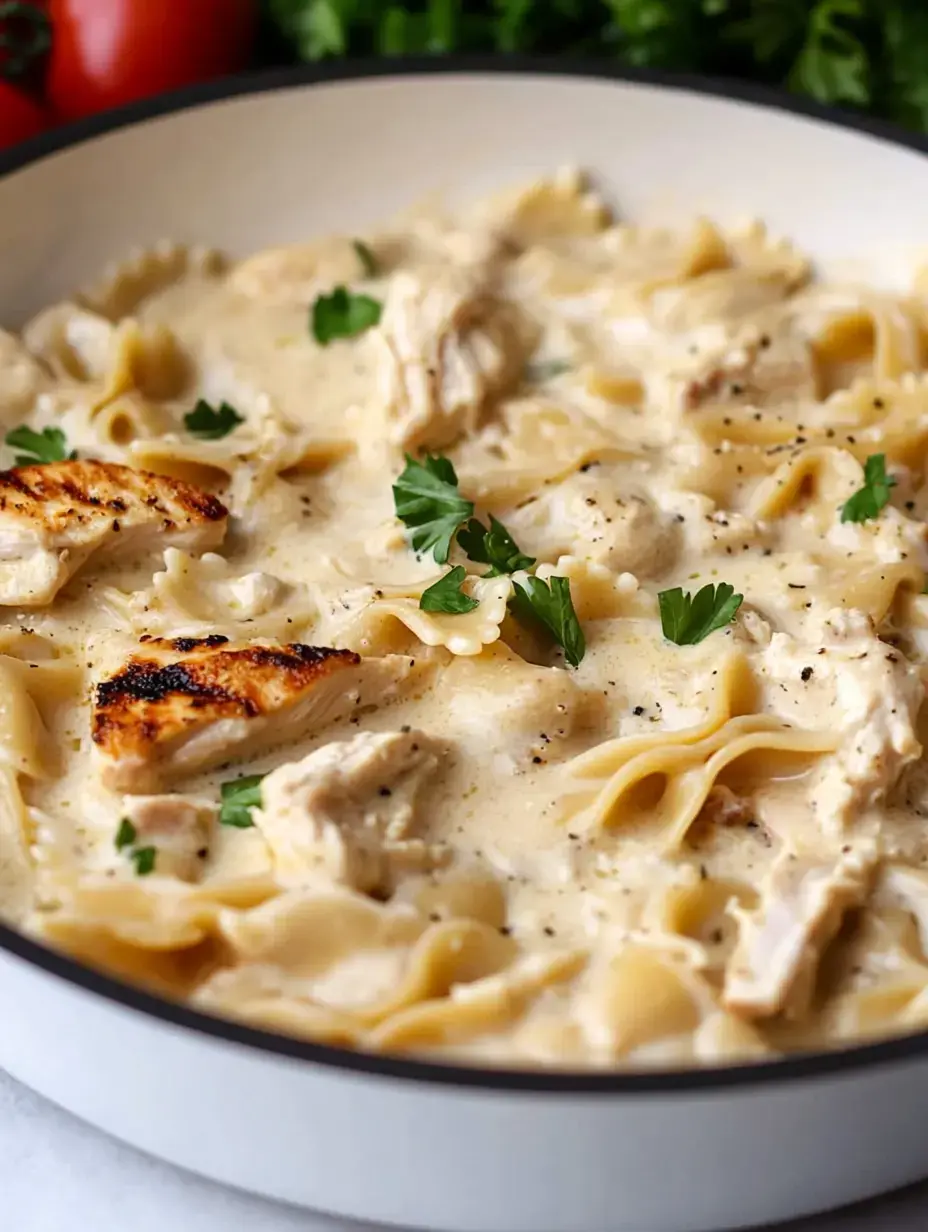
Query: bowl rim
[[667, 1082]]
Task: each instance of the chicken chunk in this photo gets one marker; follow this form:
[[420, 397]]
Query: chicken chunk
[[595, 514], [774, 965], [347, 813], [53, 518], [762, 370], [843, 676], [178, 827], [447, 347], [184, 705]]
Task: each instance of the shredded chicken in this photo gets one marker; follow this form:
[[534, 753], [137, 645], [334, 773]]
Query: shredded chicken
[[53, 518], [184, 705], [448, 346], [762, 370], [596, 516], [178, 827], [347, 813], [874, 694], [803, 902]]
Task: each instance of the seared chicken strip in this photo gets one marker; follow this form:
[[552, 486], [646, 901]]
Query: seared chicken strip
[[54, 517], [185, 705], [347, 814]]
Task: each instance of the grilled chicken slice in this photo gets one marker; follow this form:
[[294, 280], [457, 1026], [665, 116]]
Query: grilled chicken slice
[[53, 518], [348, 813], [188, 704]]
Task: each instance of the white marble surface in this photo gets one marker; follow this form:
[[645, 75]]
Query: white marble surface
[[59, 1175]]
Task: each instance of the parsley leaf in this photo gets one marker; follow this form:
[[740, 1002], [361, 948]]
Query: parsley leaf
[[446, 594], [873, 496], [366, 257], [209, 424], [49, 445], [126, 834], [494, 547], [546, 370], [343, 315], [552, 606], [686, 619], [427, 500], [144, 860], [239, 797]]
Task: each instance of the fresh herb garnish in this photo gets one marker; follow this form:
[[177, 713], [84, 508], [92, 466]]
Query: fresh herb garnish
[[367, 259], [427, 500], [210, 424], [552, 606], [342, 314], [446, 594], [40, 448], [686, 619], [873, 496], [144, 860], [126, 834], [546, 370], [239, 797], [494, 547]]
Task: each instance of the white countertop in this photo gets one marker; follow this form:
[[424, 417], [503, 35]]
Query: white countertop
[[58, 1175]]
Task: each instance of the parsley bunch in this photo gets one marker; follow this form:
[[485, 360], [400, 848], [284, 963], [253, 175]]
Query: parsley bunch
[[428, 503], [869, 54]]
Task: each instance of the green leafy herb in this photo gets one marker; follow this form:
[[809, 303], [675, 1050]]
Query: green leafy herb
[[239, 797], [552, 606], [546, 370], [125, 835], [366, 257], [427, 500], [873, 496], [144, 860], [49, 445], [494, 547], [686, 619], [446, 594], [342, 314], [210, 424], [861, 53]]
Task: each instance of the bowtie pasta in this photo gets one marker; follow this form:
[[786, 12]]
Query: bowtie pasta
[[500, 638]]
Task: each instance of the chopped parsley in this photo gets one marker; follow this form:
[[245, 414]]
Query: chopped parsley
[[446, 594], [686, 619], [366, 257], [39, 448], [126, 834], [428, 502], [873, 496], [144, 859], [552, 606], [210, 424], [494, 547], [342, 314], [546, 370], [239, 797]]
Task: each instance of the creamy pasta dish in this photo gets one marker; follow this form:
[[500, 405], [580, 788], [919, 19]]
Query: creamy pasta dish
[[498, 637]]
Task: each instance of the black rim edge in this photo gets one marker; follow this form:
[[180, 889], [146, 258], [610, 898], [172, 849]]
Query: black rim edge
[[667, 1082]]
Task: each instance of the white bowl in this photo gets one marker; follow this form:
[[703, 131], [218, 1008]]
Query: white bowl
[[269, 159]]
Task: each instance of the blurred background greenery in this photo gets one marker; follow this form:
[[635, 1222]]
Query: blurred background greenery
[[870, 54]]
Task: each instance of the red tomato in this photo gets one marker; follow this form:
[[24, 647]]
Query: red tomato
[[20, 117], [109, 52]]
